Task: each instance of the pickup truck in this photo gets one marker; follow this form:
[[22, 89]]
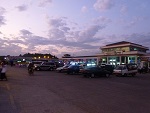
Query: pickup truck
[[125, 70]]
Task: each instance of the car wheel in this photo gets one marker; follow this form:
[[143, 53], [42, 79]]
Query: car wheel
[[92, 75], [50, 69], [38, 69], [73, 72], [60, 71], [84, 75], [125, 75], [107, 75], [133, 74]]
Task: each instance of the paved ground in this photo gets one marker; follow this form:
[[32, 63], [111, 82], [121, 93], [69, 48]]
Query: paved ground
[[52, 92]]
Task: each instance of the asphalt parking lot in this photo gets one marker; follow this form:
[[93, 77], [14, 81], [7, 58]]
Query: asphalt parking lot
[[53, 92]]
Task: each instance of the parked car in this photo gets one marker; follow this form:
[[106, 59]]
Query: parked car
[[46, 66], [37, 63], [125, 70], [73, 69], [62, 69], [109, 68], [95, 71]]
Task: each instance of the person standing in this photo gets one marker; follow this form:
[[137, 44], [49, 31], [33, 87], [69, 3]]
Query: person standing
[[3, 72]]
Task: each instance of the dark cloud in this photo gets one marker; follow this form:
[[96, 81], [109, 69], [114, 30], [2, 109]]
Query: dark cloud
[[2, 10], [2, 18], [88, 35], [9, 48], [61, 34], [22, 7], [81, 42], [25, 32], [43, 3], [35, 43], [2, 21], [139, 38], [57, 22], [32, 41]]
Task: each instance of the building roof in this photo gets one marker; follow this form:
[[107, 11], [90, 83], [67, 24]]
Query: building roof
[[122, 44]]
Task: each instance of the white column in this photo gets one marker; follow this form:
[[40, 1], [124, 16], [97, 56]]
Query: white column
[[125, 59], [136, 59], [107, 60], [120, 59], [97, 60]]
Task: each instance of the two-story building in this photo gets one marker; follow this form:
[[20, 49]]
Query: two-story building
[[117, 53], [122, 53]]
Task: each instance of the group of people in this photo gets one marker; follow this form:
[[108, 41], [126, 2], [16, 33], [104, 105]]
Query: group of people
[[3, 71]]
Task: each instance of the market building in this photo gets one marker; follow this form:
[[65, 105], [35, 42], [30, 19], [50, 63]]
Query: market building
[[122, 53], [117, 53]]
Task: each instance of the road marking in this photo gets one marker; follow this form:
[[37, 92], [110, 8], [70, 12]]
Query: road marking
[[11, 98], [8, 88], [12, 102]]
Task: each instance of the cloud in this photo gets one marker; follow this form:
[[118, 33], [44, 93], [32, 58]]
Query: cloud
[[101, 20], [123, 9], [58, 28], [84, 9], [43, 3], [2, 21], [25, 32], [57, 22], [22, 7], [88, 34], [28, 42], [9, 48], [139, 38], [133, 22], [102, 5], [2, 18], [69, 36], [2, 10]]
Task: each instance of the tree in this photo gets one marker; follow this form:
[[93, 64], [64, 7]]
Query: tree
[[66, 56]]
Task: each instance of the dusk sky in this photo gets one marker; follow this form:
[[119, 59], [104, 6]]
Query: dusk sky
[[75, 27]]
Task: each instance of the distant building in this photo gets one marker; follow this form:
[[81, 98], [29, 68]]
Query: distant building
[[122, 53], [117, 53]]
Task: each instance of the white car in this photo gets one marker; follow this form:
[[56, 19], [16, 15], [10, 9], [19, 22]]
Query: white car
[[124, 70]]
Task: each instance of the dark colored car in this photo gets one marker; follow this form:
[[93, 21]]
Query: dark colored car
[[95, 72], [109, 68], [37, 63], [73, 69], [46, 66]]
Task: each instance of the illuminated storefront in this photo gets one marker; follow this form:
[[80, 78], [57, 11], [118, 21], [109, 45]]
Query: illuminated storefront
[[122, 53], [115, 54]]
